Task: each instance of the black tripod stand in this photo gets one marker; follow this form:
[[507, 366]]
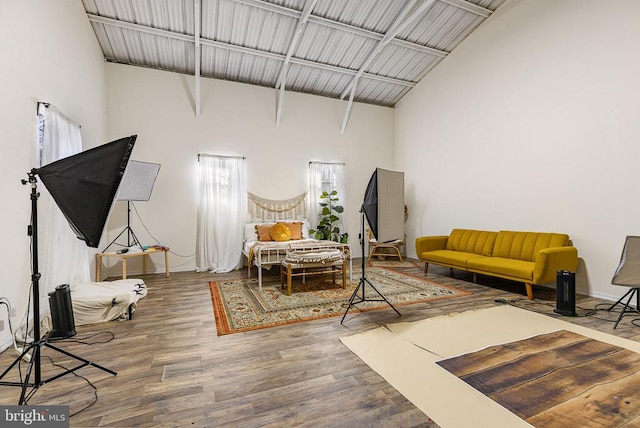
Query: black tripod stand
[[627, 309], [35, 347], [129, 231], [363, 279]]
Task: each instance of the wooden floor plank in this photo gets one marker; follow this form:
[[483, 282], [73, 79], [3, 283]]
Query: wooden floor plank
[[174, 371]]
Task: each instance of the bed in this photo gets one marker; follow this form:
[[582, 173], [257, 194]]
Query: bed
[[259, 246]]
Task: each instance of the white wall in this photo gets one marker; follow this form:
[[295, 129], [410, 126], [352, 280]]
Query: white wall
[[532, 124], [49, 53], [236, 119]]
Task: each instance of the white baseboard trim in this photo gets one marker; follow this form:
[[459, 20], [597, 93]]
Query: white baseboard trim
[[135, 273], [604, 296], [6, 345]]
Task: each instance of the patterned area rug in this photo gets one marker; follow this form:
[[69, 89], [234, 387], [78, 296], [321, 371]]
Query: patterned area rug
[[240, 306], [392, 263]]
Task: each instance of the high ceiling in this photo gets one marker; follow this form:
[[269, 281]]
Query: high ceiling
[[370, 51]]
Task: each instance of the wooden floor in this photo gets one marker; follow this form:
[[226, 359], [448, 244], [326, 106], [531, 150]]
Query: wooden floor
[[173, 370]]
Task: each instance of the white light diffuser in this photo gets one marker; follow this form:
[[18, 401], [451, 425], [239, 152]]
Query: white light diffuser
[[138, 181]]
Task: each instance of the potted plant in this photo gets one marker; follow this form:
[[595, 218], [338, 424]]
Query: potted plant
[[326, 229]]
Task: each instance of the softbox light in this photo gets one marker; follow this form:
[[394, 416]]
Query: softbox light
[[384, 205], [84, 186], [138, 181]]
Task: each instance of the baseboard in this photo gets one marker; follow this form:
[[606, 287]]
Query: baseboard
[[604, 296], [6, 345], [135, 273]]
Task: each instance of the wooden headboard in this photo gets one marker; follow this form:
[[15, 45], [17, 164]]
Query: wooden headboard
[[269, 209]]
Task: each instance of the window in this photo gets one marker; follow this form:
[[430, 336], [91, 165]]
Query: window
[[326, 177], [220, 213]]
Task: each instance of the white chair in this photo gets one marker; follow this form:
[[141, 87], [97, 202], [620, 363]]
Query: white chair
[[628, 275]]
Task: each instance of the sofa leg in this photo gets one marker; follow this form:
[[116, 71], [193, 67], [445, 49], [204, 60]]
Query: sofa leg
[[529, 288], [426, 267], [475, 278]]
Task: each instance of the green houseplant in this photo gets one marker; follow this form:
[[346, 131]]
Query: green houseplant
[[326, 229]]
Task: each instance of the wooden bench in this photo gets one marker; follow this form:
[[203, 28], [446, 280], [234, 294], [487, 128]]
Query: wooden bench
[[310, 263]]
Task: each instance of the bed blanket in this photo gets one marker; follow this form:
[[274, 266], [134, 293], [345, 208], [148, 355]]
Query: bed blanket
[[95, 302]]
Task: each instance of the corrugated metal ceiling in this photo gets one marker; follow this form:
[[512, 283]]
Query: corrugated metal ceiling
[[322, 47]]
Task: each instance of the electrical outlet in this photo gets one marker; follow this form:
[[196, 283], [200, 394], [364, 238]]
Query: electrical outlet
[[1, 325]]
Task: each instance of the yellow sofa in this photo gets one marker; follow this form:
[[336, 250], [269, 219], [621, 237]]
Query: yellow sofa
[[529, 257]]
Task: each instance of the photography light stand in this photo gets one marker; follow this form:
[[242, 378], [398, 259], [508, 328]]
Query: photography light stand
[[137, 185], [363, 279], [35, 347], [130, 233]]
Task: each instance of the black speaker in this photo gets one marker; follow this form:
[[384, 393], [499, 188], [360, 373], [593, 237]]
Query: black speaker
[[565, 293], [64, 324]]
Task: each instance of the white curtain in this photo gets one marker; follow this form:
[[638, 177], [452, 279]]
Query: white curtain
[[326, 177], [62, 258], [221, 203]]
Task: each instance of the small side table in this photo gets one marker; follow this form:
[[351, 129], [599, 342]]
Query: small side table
[[125, 256]]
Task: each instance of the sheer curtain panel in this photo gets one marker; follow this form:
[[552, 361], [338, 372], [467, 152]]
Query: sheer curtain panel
[[326, 177], [63, 258], [221, 203]]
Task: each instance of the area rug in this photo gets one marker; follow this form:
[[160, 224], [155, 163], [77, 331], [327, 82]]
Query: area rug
[[391, 263], [406, 355], [556, 379], [240, 306]]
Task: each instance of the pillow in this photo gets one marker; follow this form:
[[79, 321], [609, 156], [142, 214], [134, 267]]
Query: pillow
[[280, 232], [250, 233], [296, 229], [264, 232]]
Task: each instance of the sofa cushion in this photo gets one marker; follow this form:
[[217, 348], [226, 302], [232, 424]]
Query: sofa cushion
[[525, 245], [449, 258], [517, 269], [472, 241]]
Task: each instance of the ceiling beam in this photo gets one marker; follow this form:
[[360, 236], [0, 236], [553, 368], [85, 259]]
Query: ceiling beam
[[293, 13], [407, 15], [241, 49], [347, 113], [293, 44], [424, 72], [139, 27], [470, 7], [196, 44]]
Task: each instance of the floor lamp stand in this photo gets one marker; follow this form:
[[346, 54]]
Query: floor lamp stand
[[364, 281], [132, 239], [35, 347]]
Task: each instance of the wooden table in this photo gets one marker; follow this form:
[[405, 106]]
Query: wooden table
[[125, 256]]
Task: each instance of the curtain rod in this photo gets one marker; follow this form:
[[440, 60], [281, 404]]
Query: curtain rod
[[327, 163], [219, 156], [47, 105]]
